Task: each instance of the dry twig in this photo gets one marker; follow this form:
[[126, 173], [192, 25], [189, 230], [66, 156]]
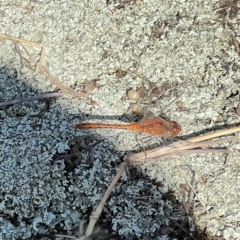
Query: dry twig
[[181, 147], [30, 99], [39, 66]]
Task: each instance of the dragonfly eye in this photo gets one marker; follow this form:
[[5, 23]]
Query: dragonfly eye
[[175, 129]]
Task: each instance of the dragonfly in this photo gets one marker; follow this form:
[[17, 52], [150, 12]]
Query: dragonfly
[[153, 126]]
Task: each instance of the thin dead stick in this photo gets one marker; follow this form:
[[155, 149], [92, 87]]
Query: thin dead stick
[[183, 175], [20, 40], [55, 81], [193, 180], [215, 134], [38, 65], [196, 151], [180, 227], [96, 214], [65, 236], [184, 147], [181, 147], [30, 99], [228, 5]]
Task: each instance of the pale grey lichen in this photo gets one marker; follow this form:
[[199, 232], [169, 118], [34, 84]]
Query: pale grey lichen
[[83, 41]]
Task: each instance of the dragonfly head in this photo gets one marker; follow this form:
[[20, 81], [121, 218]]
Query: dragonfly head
[[175, 129]]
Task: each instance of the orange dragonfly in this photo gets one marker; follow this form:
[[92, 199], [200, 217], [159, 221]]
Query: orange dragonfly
[[154, 126]]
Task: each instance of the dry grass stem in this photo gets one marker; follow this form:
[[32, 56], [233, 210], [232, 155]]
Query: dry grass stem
[[96, 214], [189, 146], [181, 147], [39, 66], [65, 236], [190, 185], [181, 227], [30, 99], [215, 134]]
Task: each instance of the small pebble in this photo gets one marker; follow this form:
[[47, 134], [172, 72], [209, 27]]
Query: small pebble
[[133, 95], [138, 109], [235, 67]]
